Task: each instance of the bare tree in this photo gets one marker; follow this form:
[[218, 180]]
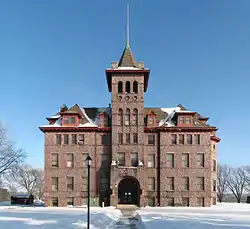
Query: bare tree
[[237, 181], [39, 187], [247, 177], [222, 180], [9, 156], [29, 179]]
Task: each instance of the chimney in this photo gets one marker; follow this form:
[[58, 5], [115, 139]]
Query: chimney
[[63, 108]]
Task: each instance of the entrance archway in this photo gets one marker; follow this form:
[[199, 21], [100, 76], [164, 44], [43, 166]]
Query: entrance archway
[[129, 191]]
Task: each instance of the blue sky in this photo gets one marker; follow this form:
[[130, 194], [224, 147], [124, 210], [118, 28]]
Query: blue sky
[[55, 52]]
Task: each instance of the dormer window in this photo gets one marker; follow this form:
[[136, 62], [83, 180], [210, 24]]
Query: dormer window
[[181, 120], [69, 120], [72, 120], [188, 120], [103, 120], [66, 120], [151, 119]]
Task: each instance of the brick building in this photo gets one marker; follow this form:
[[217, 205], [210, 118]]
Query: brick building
[[142, 156]]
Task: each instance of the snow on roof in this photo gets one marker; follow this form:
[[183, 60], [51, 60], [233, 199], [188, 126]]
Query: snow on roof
[[52, 125], [89, 120], [127, 68], [55, 116], [87, 125], [170, 114]]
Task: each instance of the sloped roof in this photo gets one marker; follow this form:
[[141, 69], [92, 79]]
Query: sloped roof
[[164, 116], [127, 58]]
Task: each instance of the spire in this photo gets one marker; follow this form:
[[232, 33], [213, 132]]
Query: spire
[[127, 58], [127, 40]]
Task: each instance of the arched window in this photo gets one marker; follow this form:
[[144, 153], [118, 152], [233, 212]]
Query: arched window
[[135, 87], [127, 117], [128, 87], [135, 116], [120, 117], [120, 87]]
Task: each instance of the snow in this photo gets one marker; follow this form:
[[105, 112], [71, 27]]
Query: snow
[[127, 68], [55, 116], [220, 216], [52, 125], [90, 122], [87, 125]]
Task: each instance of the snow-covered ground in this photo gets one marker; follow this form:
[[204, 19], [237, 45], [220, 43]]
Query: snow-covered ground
[[220, 216]]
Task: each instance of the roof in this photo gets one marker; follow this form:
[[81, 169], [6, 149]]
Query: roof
[[127, 58], [90, 116]]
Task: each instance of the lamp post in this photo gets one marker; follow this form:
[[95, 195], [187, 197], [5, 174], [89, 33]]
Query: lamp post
[[88, 164]]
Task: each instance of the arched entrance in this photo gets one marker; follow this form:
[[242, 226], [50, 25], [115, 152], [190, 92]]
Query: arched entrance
[[129, 191]]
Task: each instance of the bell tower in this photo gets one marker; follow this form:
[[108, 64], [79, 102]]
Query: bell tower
[[127, 81]]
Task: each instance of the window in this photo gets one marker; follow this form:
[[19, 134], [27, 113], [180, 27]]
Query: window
[[151, 184], [72, 120], [197, 139], [200, 160], [134, 159], [135, 138], [170, 160], [58, 139], [185, 201], [54, 201], [104, 159], [66, 120], [174, 139], [120, 87], [70, 201], [104, 184], [54, 183], [104, 120], [128, 87], [70, 160], [127, 138], [200, 183], [214, 165], [135, 116], [200, 202], [101, 117], [151, 201], [120, 117], [188, 120], [214, 185], [185, 183], [127, 117], [54, 160], [181, 139], [151, 139], [74, 139], [214, 201], [135, 87], [151, 120], [120, 138], [170, 183], [105, 139], [185, 160], [66, 139], [121, 159], [81, 139], [151, 160], [170, 201], [84, 156], [84, 184], [70, 183], [181, 120], [189, 139]]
